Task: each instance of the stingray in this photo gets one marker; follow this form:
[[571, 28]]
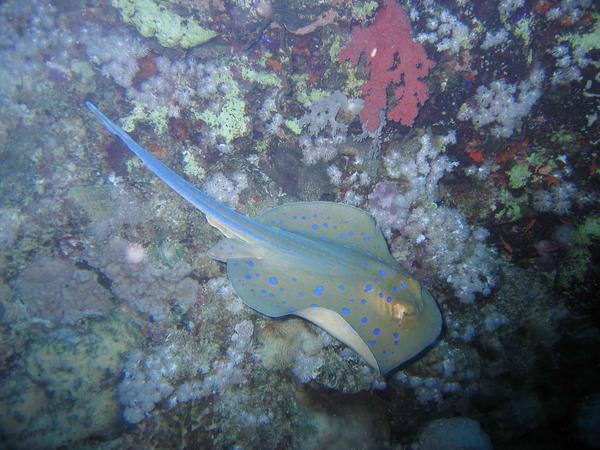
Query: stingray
[[325, 262]]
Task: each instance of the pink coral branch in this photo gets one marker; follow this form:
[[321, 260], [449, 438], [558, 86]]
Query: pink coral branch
[[394, 61]]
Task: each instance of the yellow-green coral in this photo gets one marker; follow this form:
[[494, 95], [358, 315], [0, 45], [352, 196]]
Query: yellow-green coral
[[158, 118], [519, 175], [364, 10], [306, 96], [153, 19], [192, 167], [293, 125], [589, 41], [262, 78], [335, 49], [588, 231], [231, 121], [511, 206], [523, 29]]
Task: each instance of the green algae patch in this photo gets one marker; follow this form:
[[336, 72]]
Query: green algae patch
[[588, 231], [510, 206], [294, 126], [158, 118], [262, 78], [155, 20], [231, 121], [588, 41], [518, 176], [192, 167]]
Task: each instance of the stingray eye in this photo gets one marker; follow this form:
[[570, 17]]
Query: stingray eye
[[398, 311]]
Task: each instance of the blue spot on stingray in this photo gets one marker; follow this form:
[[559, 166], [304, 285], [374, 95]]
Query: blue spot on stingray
[[314, 215], [372, 343], [270, 295], [294, 217], [342, 288], [342, 236], [318, 291], [396, 289], [301, 294], [404, 285], [335, 227], [364, 320], [346, 311], [273, 280], [352, 300], [389, 299], [283, 302], [368, 288], [314, 305], [263, 291], [250, 263], [280, 289], [377, 280], [350, 233], [325, 225], [381, 295], [376, 331], [396, 335], [315, 226], [292, 310], [382, 273], [294, 280], [257, 275], [303, 217], [369, 254], [396, 343], [363, 301]]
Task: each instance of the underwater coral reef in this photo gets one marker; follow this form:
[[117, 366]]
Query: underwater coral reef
[[464, 133]]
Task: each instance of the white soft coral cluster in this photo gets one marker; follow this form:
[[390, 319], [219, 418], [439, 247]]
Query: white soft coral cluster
[[507, 7], [558, 199], [456, 251], [144, 285], [568, 9], [502, 104], [419, 172], [116, 51], [569, 64], [430, 236], [151, 379], [225, 190], [325, 132], [445, 31], [146, 381], [175, 85]]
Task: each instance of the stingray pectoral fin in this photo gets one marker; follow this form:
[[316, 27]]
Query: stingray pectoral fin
[[230, 249], [335, 325]]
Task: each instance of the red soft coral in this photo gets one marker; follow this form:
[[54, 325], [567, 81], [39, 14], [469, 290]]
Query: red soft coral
[[393, 60]]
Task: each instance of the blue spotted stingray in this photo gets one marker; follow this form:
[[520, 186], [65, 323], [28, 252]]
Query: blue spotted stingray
[[325, 262]]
